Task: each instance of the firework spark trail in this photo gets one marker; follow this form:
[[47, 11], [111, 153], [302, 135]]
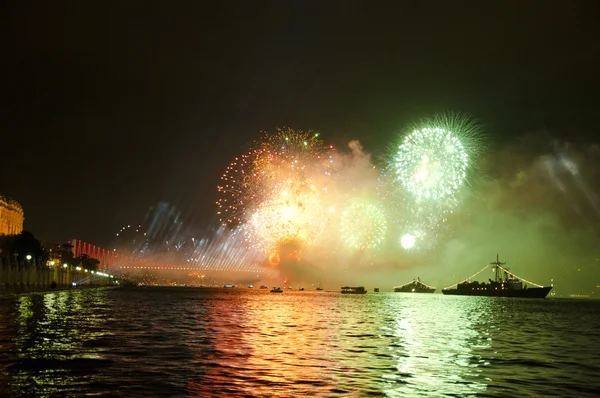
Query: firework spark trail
[[225, 252], [413, 224], [363, 225], [425, 173], [236, 180]]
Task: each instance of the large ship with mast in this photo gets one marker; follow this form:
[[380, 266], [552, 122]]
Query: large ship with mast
[[505, 284], [415, 286]]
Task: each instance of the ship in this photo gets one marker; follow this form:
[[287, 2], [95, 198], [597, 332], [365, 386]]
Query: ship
[[319, 287], [276, 290], [505, 284], [415, 286], [353, 290]]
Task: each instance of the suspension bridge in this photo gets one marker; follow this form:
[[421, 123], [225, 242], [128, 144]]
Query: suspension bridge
[[202, 259]]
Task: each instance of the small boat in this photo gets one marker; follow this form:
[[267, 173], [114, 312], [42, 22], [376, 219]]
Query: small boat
[[353, 290], [264, 286], [276, 290], [301, 288], [505, 284], [250, 286], [415, 286], [376, 290], [228, 285], [319, 288]]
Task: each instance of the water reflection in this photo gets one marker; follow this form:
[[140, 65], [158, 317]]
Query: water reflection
[[328, 344], [264, 345], [54, 340], [292, 337], [219, 358], [438, 347], [221, 342]]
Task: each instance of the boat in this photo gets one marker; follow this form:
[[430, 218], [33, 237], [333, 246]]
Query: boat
[[264, 286], [301, 289], [505, 284], [250, 286], [276, 290], [376, 290], [353, 290], [319, 287], [228, 285], [415, 286]]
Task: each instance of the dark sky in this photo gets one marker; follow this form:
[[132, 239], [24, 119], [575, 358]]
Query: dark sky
[[110, 107]]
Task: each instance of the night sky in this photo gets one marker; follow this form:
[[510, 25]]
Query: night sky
[[110, 107]]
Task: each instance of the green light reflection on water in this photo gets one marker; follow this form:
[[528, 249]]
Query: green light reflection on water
[[436, 347], [52, 339]]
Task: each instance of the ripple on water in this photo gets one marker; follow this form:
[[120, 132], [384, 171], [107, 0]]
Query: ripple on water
[[169, 342]]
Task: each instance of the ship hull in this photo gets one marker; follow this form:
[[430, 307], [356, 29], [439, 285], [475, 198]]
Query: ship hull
[[353, 290], [534, 292], [412, 290]]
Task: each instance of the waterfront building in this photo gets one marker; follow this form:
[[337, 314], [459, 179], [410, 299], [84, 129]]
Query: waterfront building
[[11, 217]]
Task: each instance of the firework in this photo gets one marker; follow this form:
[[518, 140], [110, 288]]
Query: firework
[[408, 241], [236, 180], [278, 189], [278, 222], [432, 161], [363, 225], [224, 250], [287, 148], [131, 240], [421, 185]]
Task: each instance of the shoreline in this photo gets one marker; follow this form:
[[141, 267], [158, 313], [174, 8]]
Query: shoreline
[[50, 290]]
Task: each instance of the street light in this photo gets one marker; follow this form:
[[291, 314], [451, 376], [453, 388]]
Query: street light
[[65, 265], [28, 257]]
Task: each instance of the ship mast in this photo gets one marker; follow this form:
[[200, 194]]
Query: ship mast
[[496, 265]]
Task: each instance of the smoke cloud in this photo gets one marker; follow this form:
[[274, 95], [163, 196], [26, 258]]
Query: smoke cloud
[[534, 202]]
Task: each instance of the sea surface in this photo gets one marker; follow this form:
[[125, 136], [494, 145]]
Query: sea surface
[[145, 342]]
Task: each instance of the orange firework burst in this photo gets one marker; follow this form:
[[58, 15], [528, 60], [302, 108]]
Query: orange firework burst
[[278, 189], [274, 259], [293, 255]]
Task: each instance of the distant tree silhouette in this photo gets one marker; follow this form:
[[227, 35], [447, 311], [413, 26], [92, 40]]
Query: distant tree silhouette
[[23, 245], [85, 262], [65, 252]]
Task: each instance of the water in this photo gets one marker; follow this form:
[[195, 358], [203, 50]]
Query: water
[[241, 342]]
